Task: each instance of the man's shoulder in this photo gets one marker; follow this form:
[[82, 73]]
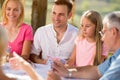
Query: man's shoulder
[[117, 52], [44, 27]]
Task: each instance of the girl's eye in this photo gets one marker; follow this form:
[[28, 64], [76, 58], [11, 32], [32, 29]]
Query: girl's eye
[[88, 26]]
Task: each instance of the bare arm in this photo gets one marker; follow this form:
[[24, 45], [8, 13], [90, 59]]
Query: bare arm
[[88, 72], [72, 60], [52, 76], [37, 59], [30, 71], [26, 49]]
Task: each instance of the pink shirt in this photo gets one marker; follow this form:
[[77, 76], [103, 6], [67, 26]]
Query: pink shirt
[[25, 33], [85, 52]]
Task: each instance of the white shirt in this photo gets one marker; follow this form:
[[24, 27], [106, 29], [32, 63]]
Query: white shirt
[[45, 41]]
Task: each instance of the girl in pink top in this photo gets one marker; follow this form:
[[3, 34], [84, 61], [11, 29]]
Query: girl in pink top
[[20, 35], [88, 49]]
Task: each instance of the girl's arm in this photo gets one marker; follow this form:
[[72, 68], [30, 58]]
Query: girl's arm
[[72, 60]]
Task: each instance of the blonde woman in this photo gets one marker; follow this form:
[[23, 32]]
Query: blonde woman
[[20, 34]]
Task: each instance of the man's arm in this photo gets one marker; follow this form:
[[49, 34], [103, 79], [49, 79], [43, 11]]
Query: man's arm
[[37, 59], [89, 72]]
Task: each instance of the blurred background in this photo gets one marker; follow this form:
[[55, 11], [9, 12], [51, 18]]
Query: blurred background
[[38, 12]]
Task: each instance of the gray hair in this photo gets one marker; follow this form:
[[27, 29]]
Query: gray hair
[[112, 20], [3, 34], [3, 40]]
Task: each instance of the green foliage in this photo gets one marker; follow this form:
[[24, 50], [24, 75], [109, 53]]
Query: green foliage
[[85, 5], [102, 6]]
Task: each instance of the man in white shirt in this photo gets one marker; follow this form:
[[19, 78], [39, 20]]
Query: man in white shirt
[[55, 40]]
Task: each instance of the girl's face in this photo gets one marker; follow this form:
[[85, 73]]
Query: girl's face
[[87, 28], [13, 10]]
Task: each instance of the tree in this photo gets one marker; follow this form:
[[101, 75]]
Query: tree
[[1, 2], [39, 10], [73, 12]]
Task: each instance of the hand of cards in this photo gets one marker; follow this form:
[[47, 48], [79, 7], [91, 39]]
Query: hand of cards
[[51, 60]]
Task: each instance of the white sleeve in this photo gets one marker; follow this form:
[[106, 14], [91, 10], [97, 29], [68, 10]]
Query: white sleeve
[[36, 46]]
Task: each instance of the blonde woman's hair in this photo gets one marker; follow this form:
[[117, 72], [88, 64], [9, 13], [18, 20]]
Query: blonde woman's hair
[[96, 19], [21, 17], [3, 42]]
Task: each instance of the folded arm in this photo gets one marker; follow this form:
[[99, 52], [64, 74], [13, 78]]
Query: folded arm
[[37, 59]]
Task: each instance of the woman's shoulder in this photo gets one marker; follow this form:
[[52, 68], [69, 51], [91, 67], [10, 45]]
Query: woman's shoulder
[[25, 25]]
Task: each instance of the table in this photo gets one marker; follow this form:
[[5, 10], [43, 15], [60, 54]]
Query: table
[[40, 69], [19, 74]]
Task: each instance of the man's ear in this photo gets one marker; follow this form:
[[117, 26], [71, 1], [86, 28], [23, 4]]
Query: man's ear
[[115, 31], [69, 15]]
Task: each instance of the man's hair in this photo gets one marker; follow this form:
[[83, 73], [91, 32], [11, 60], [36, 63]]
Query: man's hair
[[112, 20], [68, 3]]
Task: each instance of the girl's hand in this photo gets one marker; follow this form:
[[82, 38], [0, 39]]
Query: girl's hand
[[70, 63]]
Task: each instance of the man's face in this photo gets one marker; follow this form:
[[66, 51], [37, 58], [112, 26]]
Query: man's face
[[60, 15], [108, 38]]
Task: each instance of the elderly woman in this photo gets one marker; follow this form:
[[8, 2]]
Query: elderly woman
[[3, 45]]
